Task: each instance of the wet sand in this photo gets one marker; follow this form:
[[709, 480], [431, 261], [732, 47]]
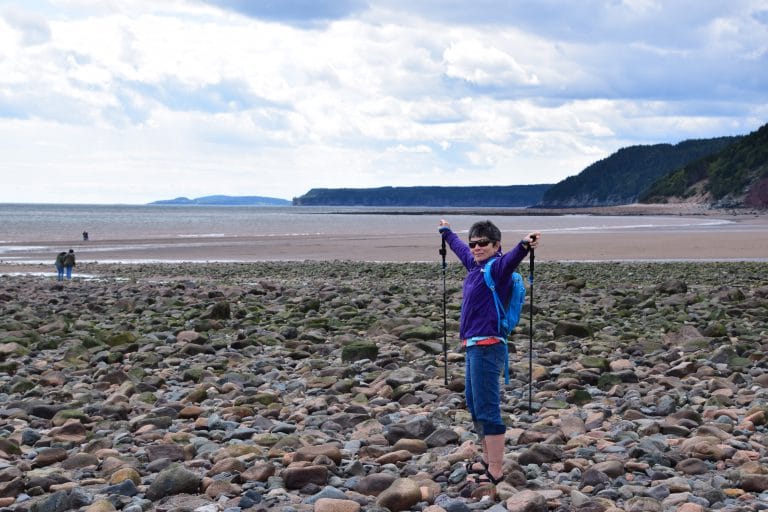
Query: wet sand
[[745, 238]]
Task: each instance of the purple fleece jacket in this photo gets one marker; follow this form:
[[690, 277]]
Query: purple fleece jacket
[[478, 312]]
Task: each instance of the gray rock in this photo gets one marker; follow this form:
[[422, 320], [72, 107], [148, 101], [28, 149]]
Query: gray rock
[[442, 437], [540, 454], [569, 328], [327, 492], [417, 428], [593, 477], [375, 484], [173, 480]]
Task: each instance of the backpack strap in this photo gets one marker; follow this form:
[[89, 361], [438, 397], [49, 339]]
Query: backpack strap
[[489, 282]]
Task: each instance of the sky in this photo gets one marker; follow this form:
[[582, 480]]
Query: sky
[[132, 101]]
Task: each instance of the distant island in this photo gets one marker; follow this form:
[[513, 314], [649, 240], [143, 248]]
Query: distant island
[[507, 196], [220, 200]]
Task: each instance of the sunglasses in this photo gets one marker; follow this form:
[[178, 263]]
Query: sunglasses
[[482, 243]]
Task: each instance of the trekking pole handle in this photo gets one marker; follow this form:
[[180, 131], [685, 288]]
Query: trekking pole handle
[[533, 236], [443, 252]]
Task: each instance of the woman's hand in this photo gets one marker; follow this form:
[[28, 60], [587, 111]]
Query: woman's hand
[[532, 239]]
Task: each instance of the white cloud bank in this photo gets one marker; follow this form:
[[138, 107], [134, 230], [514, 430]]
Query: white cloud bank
[[131, 101]]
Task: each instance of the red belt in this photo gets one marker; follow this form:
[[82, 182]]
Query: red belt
[[486, 341]]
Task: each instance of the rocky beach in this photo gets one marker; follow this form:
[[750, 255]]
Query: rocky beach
[[321, 386]]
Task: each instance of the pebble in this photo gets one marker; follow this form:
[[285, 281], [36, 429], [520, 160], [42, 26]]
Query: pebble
[[321, 386]]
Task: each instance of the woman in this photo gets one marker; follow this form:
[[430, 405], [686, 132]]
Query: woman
[[479, 331], [60, 265]]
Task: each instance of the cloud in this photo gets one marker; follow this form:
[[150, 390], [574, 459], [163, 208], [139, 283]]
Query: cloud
[[484, 66], [142, 100], [33, 28], [401, 148], [302, 13]]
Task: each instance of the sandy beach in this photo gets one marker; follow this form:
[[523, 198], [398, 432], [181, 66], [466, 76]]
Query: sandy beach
[[740, 238]]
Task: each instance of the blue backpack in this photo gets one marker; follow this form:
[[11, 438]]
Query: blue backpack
[[509, 314]]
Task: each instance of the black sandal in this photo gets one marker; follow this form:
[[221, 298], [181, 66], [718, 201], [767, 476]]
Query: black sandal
[[487, 478], [472, 471]]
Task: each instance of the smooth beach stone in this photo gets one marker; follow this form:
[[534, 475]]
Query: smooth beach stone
[[336, 505], [126, 473], [124, 488], [71, 431], [173, 480], [80, 460], [49, 456], [221, 488], [10, 447], [403, 494], [540, 454], [690, 507], [309, 453], [229, 466], [526, 501], [754, 482], [612, 468], [259, 472], [374, 484], [415, 446], [298, 477], [12, 487], [569, 328], [101, 505], [394, 457], [419, 427], [60, 500]]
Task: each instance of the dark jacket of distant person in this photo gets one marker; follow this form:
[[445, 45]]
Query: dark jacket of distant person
[[69, 259]]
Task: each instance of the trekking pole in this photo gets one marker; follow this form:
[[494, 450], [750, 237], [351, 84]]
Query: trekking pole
[[530, 338], [445, 317]]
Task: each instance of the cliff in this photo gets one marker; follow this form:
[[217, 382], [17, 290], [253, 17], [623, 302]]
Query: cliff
[[513, 196]]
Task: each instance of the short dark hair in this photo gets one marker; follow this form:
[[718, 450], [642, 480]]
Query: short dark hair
[[486, 229]]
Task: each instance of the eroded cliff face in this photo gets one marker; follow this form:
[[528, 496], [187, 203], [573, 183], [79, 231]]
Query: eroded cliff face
[[757, 197], [588, 200]]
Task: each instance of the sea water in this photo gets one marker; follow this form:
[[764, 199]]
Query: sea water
[[51, 222], [32, 232]]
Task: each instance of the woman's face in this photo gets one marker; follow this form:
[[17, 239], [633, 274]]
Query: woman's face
[[482, 248]]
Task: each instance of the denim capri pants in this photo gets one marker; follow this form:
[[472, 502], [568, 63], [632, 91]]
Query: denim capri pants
[[484, 366]]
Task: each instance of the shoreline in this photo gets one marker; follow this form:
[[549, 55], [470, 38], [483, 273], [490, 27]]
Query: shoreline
[[741, 241], [604, 274], [721, 237], [303, 273], [685, 209]]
